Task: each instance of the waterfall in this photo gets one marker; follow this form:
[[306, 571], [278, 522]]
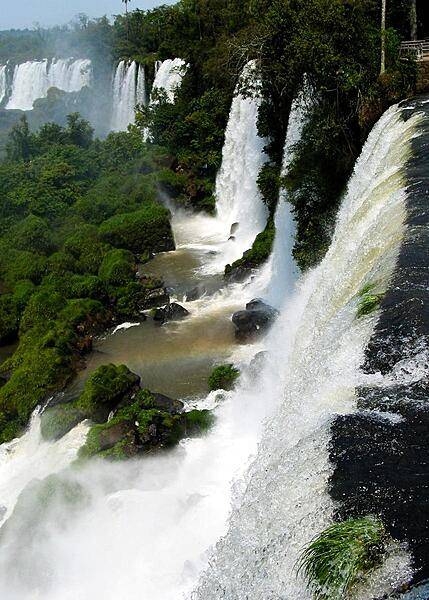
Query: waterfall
[[141, 86], [281, 263], [238, 199], [168, 76], [69, 75], [29, 83], [316, 351], [3, 82], [129, 89], [32, 79]]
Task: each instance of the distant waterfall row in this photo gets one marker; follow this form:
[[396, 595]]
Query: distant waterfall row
[[130, 88], [31, 80]]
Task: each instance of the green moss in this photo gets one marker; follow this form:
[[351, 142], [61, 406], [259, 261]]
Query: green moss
[[223, 377], [141, 426], [340, 555], [59, 420], [258, 254], [105, 387]]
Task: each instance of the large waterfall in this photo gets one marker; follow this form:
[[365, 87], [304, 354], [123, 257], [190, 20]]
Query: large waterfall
[[129, 90], [32, 79], [317, 349], [157, 527]]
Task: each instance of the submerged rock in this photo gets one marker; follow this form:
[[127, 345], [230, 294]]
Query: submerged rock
[[195, 293], [256, 319], [171, 312]]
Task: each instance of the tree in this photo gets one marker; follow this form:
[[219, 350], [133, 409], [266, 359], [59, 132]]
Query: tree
[[126, 5], [413, 19], [20, 143], [383, 37]]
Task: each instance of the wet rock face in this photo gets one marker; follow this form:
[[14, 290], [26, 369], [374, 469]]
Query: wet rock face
[[380, 454], [171, 312], [256, 319]]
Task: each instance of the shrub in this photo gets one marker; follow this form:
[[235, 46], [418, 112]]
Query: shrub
[[335, 559], [146, 230], [118, 267], [223, 377]]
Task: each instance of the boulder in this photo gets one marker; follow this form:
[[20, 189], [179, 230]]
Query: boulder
[[167, 404], [255, 319], [234, 228], [195, 293], [171, 312]]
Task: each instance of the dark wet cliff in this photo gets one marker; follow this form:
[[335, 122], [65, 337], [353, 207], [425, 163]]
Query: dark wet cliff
[[380, 453]]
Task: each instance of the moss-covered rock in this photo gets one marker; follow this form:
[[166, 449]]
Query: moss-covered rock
[[253, 258], [223, 377], [150, 422], [105, 389]]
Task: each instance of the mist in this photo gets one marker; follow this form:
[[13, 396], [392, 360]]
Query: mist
[[46, 13]]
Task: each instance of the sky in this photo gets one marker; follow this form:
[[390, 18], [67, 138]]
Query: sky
[[18, 14]]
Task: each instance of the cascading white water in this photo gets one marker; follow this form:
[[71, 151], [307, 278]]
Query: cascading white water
[[168, 76], [69, 75], [238, 199], [32, 79], [146, 528], [317, 349], [129, 89], [3, 82], [281, 260], [141, 96], [29, 83]]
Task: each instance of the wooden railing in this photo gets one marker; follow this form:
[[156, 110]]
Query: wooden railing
[[418, 50]]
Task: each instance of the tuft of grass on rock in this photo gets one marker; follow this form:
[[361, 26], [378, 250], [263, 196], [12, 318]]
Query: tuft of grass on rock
[[223, 377], [342, 554], [368, 301]]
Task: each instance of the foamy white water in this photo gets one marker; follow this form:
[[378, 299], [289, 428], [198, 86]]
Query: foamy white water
[[238, 199], [32, 79], [281, 264], [319, 349], [168, 76]]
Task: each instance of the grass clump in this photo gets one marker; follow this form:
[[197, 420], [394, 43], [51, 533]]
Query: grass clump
[[335, 560], [368, 301], [223, 377]]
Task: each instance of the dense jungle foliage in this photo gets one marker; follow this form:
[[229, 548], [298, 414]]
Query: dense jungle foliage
[[77, 214]]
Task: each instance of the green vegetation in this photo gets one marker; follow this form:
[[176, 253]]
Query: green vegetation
[[369, 302], [77, 214], [256, 256], [141, 421], [337, 558], [106, 386], [223, 377], [66, 268]]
